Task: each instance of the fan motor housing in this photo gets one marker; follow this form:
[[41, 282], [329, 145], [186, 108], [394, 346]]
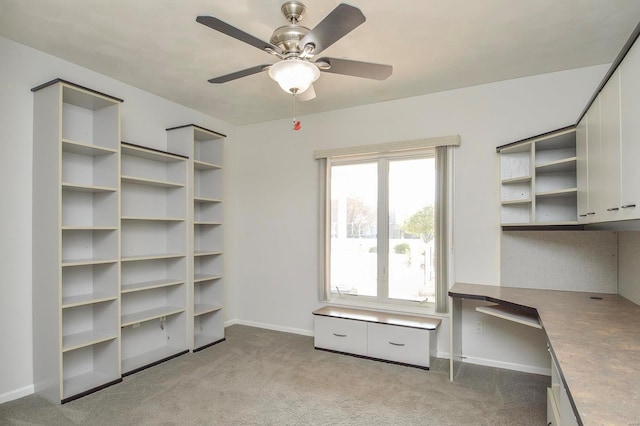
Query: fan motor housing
[[288, 36]]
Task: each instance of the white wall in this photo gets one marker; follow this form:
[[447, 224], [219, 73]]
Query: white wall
[[275, 179], [144, 120]]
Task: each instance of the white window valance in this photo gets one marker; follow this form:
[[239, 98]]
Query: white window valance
[[380, 148]]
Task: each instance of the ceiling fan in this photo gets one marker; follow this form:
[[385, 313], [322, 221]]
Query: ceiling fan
[[296, 46]]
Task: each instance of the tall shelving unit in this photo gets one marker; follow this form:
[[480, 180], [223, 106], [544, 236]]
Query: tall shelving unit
[[538, 183], [206, 231], [76, 240], [154, 257]]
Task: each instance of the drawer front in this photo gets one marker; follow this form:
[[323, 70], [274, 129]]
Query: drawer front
[[400, 344], [341, 335]]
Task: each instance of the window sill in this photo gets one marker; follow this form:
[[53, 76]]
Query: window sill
[[427, 309]]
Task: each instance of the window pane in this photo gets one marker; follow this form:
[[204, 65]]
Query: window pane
[[354, 198], [411, 229]]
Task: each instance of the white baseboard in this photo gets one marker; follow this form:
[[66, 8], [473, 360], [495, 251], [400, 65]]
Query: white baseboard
[[507, 365], [274, 327], [230, 323], [16, 393]]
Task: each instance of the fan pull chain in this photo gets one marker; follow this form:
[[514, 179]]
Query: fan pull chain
[[296, 123]]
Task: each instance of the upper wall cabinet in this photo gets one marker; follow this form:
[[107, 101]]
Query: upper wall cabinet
[[538, 180], [608, 147], [630, 135]]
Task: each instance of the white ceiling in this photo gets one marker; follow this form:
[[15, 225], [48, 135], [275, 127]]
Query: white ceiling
[[433, 45]]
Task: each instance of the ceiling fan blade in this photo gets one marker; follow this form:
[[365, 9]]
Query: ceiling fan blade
[[231, 31], [355, 68], [239, 74], [307, 95], [340, 22]]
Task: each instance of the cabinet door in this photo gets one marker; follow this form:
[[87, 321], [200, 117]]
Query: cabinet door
[[582, 171], [630, 134], [610, 148], [594, 163]]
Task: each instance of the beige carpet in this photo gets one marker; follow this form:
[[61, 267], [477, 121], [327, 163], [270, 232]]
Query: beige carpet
[[262, 377]]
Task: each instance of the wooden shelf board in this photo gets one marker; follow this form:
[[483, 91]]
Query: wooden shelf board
[[154, 219], [83, 262], [86, 188], [149, 154], [203, 339], [198, 278], [85, 148], [559, 193], [148, 285], [140, 257], [86, 299], [564, 165], [204, 222], [150, 314], [150, 357], [89, 228], [540, 224], [85, 338], [201, 309], [206, 200], [86, 381], [151, 182], [515, 180], [516, 202], [207, 253], [203, 165], [509, 314]]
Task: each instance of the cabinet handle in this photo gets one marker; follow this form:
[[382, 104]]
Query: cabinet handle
[[584, 215], [591, 214], [613, 209], [339, 335], [628, 206], [396, 344]]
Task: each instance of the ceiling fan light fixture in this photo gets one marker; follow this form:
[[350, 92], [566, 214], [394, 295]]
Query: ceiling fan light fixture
[[294, 75]]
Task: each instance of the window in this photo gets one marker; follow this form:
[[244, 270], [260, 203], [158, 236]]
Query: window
[[382, 228], [384, 223]]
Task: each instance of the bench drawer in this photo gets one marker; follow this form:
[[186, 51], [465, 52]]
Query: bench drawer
[[400, 344], [341, 335]]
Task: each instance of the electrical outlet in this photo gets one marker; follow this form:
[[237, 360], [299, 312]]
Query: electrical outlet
[[479, 327]]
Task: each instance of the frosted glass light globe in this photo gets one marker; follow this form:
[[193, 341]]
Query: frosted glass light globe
[[294, 75]]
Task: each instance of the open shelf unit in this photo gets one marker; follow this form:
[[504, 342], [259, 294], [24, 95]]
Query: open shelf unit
[[206, 231], [538, 180], [76, 240], [153, 233]]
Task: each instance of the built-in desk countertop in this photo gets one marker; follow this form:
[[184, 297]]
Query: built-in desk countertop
[[596, 343]]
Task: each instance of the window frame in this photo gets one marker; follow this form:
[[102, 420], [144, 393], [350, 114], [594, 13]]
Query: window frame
[[382, 160]]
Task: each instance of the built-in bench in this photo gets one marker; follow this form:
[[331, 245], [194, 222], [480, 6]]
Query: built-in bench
[[397, 338]]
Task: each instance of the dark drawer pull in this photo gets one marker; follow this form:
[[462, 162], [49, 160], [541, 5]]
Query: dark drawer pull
[[591, 214], [613, 209], [339, 335], [584, 215], [628, 206], [396, 344]]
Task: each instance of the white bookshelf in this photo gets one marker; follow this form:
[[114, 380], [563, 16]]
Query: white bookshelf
[[205, 149], [154, 256], [538, 182], [76, 240]]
